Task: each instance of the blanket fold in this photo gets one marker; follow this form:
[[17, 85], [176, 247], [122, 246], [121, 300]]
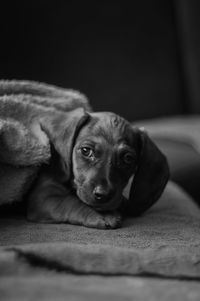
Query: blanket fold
[[23, 145], [165, 243]]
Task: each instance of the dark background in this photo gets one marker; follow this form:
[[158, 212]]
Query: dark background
[[136, 58]]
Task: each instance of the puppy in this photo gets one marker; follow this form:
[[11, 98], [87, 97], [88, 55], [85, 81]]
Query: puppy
[[94, 155]]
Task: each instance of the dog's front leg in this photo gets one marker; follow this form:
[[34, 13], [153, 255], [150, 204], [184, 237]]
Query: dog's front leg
[[50, 202]]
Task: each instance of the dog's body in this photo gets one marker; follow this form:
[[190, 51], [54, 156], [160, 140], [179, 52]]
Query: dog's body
[[94, 156]]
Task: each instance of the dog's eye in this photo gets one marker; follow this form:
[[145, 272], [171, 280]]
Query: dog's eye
[[128, 158], [86, 151]]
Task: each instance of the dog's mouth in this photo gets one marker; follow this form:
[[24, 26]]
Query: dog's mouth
[[105, 205]]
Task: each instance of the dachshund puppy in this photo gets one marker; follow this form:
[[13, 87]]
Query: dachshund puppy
[[94, 155]]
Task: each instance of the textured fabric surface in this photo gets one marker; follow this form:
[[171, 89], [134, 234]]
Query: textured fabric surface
[[165, 241], [154, 257], [60, 286], [23, 145]]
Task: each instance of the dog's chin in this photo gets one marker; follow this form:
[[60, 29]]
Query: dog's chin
[[111, 205], [104, 208]]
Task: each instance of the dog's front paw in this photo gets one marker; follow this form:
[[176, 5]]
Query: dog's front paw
[[104, 221], [112, 220]]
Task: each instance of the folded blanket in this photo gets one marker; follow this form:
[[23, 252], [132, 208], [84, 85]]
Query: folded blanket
[[23, 145]]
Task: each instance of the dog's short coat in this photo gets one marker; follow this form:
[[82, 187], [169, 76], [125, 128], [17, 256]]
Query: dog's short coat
[[93, 157]]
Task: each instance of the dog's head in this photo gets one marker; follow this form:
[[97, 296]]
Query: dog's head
[[100, 152]]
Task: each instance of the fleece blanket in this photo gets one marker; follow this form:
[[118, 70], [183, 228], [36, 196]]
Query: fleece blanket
[[55, 262], [23, 145]]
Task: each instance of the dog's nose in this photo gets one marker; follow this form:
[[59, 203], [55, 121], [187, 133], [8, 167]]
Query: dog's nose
[[101, 194]]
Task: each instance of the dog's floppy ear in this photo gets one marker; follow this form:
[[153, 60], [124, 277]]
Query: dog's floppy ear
[[150, 178], [62, 130]]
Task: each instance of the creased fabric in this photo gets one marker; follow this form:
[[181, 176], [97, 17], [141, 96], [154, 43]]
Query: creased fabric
[[164, 242]]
